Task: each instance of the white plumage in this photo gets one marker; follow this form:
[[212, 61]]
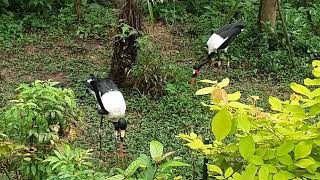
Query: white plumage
[[214, 42], [115, 104]]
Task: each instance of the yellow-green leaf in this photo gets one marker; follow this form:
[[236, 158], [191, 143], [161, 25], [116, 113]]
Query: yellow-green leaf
[[283, 175], [256, 160], [285, 159], [264, 173], [214, 168], [243, 121], [315, 63], [315, 93], [285, 148], [311, 82], [302, 150], [250, 172], [304, 163], [275, 103], [316, 72], [300, 89], [228, 172], [206, 90], [27, 159], [246, 147], [221, 124], [234, 96], [224, 83], [208, 81]]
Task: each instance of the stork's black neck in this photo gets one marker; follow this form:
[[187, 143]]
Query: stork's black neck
[[96, 92], [199, 66]]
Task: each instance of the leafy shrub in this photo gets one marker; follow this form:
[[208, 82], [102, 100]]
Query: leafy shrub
[[40, 113], [67, 163], [281, 144], [152, 168]]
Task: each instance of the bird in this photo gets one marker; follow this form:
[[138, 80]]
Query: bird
[[112, 105], [219, 41]]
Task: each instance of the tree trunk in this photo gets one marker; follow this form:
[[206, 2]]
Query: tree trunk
[[77, 5], [268, 13], [125, 49]]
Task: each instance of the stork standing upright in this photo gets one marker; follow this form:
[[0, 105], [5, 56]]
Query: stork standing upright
[[219, 41], [112, 105]]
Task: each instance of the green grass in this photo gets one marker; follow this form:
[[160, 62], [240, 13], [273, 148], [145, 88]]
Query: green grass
[[70, 60]]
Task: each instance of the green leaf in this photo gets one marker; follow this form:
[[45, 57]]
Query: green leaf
[[243, 121], [228, 172], [246, 147], [304, 163], [221, 124], [116, 177], [132, 168], [206, 90], [272, 169], [285, 148], [256, 160], [302, 150], [275, 103], [283, 175], [156, 150], [214, 168], [250, 172], [264, 173], [285, 159], [169, 164], [27, 159], [33, 169], [300, 89], [261, 151]]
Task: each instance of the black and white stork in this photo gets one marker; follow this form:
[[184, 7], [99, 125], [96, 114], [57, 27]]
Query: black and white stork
[[112, 105], [219, 41]]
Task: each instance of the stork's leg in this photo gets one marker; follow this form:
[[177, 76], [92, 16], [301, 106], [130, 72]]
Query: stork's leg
[[229, 58], [219, 61], [116, 138], [100, 133]]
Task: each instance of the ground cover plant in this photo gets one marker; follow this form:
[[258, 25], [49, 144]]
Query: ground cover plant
[[41, 40]]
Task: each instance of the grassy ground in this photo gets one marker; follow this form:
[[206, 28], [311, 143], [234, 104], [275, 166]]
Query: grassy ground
[[70, 60]]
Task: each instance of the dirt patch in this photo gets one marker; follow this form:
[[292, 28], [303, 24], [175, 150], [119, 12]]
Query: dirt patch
[[162, 36], [57, 76]]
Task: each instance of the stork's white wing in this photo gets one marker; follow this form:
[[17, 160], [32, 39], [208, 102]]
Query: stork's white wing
[[214, 42], [114, 103]]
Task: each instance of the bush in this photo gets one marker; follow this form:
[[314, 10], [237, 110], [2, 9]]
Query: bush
[[281, 144]]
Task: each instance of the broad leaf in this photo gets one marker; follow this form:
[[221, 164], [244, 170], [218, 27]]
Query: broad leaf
[[250, 172], [256, 160], [243, 121], [312, 82], [221, 124], [206, 90], [234, 96], [169, 164], [225, 82], [285, 159], [283, 175], [132, 168], [208, 81], [116, 177], [214, 168], [285, 148], [302, 150], [275, 103], [304, 163], [300, 89], [219, 95], [156, 150], [264, 173], [246, 147], [228, 172]]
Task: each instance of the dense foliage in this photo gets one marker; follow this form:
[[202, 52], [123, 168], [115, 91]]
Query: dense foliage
[[282, 144]]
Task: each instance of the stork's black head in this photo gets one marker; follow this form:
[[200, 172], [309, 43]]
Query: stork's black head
[[120, 125]]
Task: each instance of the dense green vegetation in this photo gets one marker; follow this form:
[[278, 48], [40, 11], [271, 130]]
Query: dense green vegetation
[[48, 129]]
